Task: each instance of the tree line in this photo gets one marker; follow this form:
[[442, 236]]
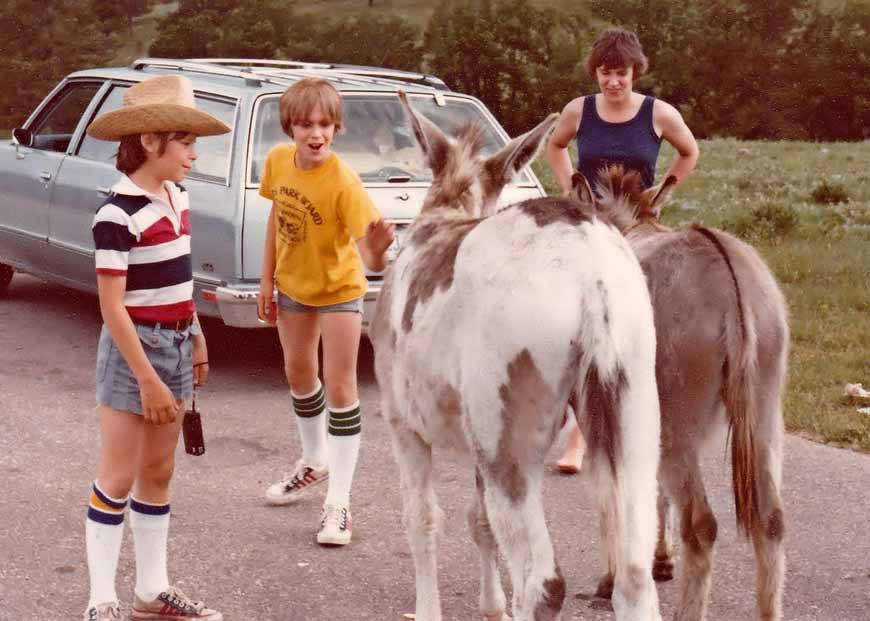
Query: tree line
[[752, 69]]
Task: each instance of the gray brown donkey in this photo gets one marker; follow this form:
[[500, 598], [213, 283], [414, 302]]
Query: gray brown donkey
[[722, 343]]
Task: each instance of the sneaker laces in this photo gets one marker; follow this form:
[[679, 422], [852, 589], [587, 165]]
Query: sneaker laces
[[176, 598], [298, 477], [110, 609], [334, 515]]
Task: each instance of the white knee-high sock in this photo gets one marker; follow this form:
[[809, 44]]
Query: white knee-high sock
[[311, 420], [150, 526], [104, 531], [345, 427]]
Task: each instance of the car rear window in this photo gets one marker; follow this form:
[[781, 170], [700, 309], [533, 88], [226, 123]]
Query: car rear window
[[376, 140]]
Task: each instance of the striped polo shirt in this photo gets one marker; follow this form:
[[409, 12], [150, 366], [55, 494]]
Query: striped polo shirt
[[140, 236]]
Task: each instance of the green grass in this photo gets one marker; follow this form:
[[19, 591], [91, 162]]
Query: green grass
[[822, 260]]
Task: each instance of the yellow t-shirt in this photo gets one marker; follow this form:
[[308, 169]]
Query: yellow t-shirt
[[319, 215]]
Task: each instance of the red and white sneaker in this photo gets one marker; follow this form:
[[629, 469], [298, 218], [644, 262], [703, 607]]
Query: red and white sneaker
[[296, 485], [173, 605]]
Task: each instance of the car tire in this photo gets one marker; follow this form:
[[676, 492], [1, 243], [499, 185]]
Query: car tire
[[6, 272]]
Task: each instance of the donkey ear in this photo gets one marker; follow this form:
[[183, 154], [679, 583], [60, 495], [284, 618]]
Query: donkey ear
[[580, 189], [432, 140], [656, 196], [502, 166]]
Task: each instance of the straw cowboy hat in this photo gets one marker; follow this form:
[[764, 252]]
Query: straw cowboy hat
[[160, 104]]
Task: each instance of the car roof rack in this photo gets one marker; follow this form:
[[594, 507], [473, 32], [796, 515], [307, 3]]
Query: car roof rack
[[205, 68], [279, 67], [279, 72]]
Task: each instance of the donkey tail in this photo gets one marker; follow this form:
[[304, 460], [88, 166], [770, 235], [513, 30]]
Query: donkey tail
[[739, 395]]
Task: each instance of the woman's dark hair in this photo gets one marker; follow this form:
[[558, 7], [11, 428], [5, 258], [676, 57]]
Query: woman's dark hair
[[615, 48], [131, 153]]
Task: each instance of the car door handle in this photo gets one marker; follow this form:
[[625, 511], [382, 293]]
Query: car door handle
[[104, 190], [45, 175]]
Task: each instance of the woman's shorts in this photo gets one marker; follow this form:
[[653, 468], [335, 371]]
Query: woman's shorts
[[286, 303], [170, 353]]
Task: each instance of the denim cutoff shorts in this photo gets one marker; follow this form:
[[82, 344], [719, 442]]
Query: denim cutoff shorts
[[170, 353], [285, 302]]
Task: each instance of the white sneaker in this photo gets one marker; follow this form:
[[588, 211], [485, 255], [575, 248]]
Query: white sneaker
[[335, 526], [296, 485], [108, 611]]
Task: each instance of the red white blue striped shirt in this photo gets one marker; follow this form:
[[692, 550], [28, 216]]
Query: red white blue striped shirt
[[140, 236]]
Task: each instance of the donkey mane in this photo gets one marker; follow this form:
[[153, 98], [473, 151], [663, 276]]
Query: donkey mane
[[622, 198]]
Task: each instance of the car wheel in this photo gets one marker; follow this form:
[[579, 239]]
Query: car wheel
[[6, 272]]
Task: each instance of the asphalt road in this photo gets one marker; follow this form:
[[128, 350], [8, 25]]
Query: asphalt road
[[258, 562]]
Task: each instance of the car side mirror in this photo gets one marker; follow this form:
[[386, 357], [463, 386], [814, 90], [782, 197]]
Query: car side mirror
[[23, 137]]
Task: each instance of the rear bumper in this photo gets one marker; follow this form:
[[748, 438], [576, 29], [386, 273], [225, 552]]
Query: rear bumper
[[237, 305]]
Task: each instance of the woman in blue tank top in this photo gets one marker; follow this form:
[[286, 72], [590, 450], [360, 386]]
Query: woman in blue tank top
[[616, 126]]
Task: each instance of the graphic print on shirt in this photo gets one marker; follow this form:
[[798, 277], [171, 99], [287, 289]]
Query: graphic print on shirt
[[292, 217]]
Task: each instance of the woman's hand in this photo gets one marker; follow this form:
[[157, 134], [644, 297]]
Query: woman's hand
[[159, 406], [267, 310]]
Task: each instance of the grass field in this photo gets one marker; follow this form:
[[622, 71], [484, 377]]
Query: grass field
[[820, 252]]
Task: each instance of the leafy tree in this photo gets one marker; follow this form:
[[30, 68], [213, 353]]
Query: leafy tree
[[198, 28], [521, 61], [40, 48], [369, 39]]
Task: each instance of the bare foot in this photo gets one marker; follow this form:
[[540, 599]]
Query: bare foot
[[571, 461]]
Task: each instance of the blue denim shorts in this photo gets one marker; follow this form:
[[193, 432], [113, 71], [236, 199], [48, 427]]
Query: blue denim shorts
[[286, 303], [170, 353]]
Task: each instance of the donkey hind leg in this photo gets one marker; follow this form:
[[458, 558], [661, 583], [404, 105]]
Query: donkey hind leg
[[607, 524], [492, 599], [767, 535], [422, 516], [627, 545], [663, 566], [517, 516], [698, 529]]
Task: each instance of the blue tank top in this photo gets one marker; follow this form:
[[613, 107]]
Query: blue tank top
[[632, 143]]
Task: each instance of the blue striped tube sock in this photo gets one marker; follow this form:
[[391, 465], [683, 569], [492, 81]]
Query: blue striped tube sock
[[311, 420], [150, 526], [345, 427], [104, 531]]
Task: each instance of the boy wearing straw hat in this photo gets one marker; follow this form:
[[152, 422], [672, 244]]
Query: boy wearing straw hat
[[151, 351]]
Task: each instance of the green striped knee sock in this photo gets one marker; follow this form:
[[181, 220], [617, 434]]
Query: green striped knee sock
[[311, 420], [345, 425]]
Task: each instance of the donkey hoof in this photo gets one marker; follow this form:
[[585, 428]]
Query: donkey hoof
[[605, 587], [663, 570]]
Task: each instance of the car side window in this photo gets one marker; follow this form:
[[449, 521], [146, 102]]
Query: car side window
[[213, 152], [54, 128], [103, 150]]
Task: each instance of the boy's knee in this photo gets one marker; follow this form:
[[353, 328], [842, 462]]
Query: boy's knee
[[116, 484], [341, 395], [300, 374], [157, 474]]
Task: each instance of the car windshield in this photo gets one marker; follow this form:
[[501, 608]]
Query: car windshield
[[376, 140]]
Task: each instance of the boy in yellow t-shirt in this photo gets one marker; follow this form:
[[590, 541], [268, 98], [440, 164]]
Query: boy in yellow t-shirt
[[322, 223]]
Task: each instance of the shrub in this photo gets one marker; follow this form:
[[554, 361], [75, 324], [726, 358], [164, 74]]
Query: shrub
[[770, 220], [829, 194]]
